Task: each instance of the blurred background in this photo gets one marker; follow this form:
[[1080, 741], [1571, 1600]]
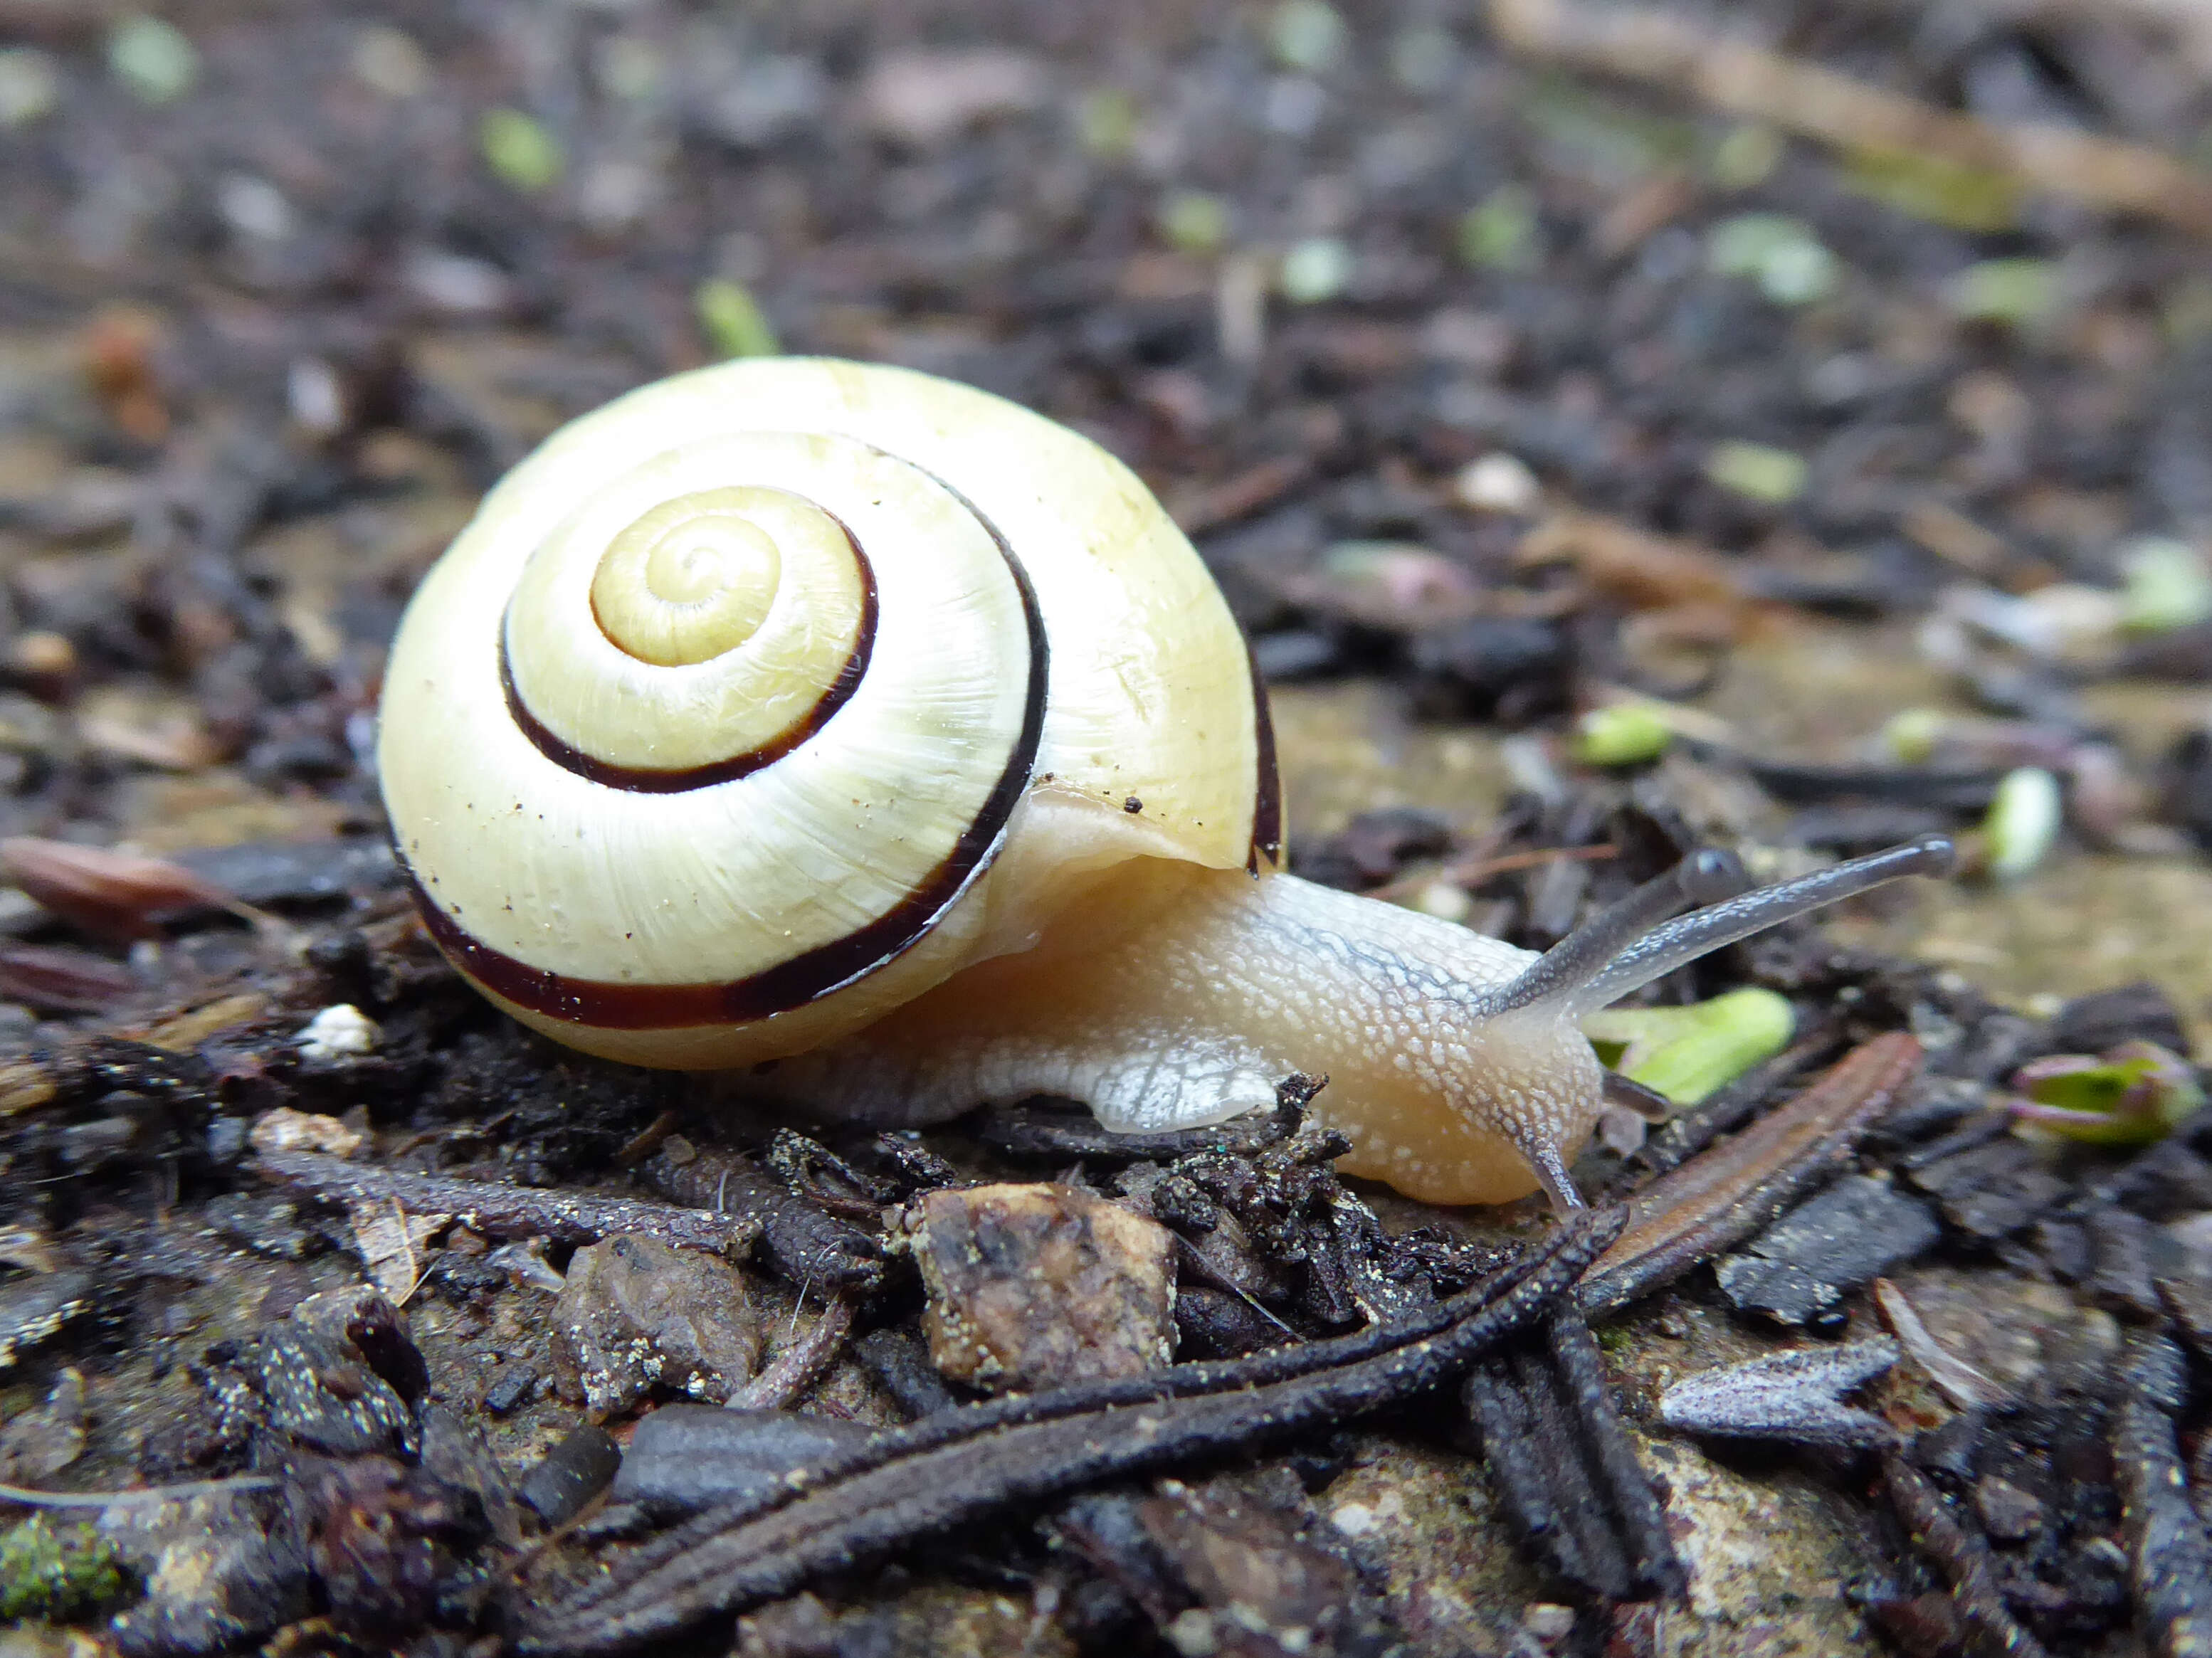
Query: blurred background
[[1819, 394]]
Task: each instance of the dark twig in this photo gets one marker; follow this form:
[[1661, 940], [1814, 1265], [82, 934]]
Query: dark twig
[[1733, 1106], [2169, 1560], [510, 1211], [957, 1466], [797, 1365], [1729, 1192], [803, 1243], [1642, 1517], [1565, 1466], [1964, 1560], [1529, 1449]]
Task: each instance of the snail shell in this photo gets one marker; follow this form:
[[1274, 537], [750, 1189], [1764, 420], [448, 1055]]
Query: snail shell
[[706, 740], [838, 716]]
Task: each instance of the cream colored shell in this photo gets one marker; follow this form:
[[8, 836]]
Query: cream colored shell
[[648, 641]]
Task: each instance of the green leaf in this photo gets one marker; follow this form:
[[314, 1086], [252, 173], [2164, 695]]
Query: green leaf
[[1757, 472], [519, 149], [1932, 188], [1686, 1053], [731, 319]]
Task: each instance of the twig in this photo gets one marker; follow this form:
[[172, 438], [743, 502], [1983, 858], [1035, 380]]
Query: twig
[[1727, 1193], [954, 1467], [1729, 1108], [2169, 1560], [1564, 1465], [511, 1211], [1644, 44], [805, 1243], [1963, 1559], [798, 1365], [176, 1493]]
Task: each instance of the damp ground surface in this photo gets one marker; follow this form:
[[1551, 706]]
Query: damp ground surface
[[1818, 395]]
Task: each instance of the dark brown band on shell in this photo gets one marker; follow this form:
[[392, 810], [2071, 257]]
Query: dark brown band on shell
[[1267, 795], [613, 1005], [644, 780]]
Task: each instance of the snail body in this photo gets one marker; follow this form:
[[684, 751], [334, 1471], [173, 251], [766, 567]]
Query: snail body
[[839, 716]]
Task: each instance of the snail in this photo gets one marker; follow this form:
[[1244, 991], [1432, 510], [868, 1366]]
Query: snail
[[838, 716]]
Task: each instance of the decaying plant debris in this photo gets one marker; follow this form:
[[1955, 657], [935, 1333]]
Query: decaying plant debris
[[1550, 386]]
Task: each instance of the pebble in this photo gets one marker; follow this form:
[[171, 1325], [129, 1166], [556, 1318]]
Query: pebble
[[572, 1474], [34, 1310], [924, 98], [267, 1226], [1038, 1286], [2008, 1514], [215, 1580], [1808, 1260], [1498, 483], [511, 1392], [41, 1442], [636, 1313], [30, 86], [341, 1031], [311, 1389], [286, 1130], [685, 1458]]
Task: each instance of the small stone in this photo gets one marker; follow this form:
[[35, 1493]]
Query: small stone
[[924, 98], [388, 62], [33, 1310], [269, 1226], [30, 86], [318, 1391], [511, 1392], [216, 1579], [1036, 1286], [685, 1458], [41, 1442], [286, 1130], [2008, 1514], [1548, 1621], [1498, 483], [636, 1313], [1314, 270], [1992, 1191], [572, 1472], [1241, 1555], [1808, 1260], [458, 1456], [341, 1031]]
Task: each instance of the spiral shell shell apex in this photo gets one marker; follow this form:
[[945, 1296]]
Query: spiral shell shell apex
[[768, 696]]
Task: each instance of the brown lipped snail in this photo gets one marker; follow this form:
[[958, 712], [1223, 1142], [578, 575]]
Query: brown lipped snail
[[840, 716]]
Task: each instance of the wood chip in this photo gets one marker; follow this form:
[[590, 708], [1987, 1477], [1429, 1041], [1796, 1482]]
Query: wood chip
[[1725, 1194], [391, 1241], [1956, 1380], [1660, 48]]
